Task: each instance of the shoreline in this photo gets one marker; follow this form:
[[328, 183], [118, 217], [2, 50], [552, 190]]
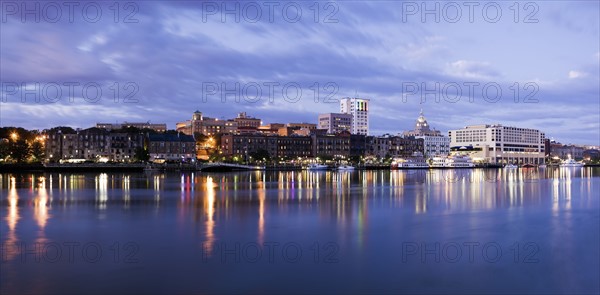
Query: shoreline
[[139, 167]]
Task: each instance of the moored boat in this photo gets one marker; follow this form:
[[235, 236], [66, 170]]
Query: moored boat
[[345, 168], [317, 167], [570, 163]]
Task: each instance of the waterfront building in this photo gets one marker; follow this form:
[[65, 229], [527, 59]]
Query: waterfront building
[[246, 144], [292, 146], [435, 144], [358, 145], [123, 146], [175, 147], [94, 144], [359, 109], [388, 146], [158, 127], [499, 144], [276, 146], [335, 122], [331, 145], [565, 151]]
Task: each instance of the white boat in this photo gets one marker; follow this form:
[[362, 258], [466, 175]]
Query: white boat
[[317, 167], [438, 162], [459, 161], [456, 161], [511, 166], [542, 166], [570, 163], [345, 167], [415, 161]]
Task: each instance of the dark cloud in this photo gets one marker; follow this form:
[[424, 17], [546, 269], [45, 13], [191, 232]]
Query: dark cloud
[[170, 53]]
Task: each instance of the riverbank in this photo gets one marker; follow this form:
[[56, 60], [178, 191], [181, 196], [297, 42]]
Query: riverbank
[[140, 167]]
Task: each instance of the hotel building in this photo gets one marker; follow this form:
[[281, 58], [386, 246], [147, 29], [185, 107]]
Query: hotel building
[[500, 144], [359, 109]]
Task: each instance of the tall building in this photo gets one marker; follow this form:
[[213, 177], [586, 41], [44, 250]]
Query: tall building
[[359, 109], [500, 144], [335, 122], [435, 143]]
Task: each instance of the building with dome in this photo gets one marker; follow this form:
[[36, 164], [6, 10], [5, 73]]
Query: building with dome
[[435, 144]]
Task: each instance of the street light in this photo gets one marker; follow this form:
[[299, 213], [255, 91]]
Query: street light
[[14, 136]]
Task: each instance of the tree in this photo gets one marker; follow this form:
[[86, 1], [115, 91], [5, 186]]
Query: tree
[[260, 155], [4, 149], [19, 150], [37, 151], [141, 154]]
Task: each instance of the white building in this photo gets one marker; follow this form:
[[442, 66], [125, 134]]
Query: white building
[[500, 144], [335, 122], [435, 144], [359, 109]]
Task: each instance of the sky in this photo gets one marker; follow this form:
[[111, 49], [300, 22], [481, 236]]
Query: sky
[[530, 64]]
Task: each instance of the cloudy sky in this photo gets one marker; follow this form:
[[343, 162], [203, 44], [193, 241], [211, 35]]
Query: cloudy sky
[[159, 61]]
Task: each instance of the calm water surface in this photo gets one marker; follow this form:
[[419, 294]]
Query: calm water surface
[[459, 231]]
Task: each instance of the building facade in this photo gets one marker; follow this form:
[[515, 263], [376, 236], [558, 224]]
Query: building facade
[[245, 145], [565, 151], [500, 144], [388, 146], [94, 144], [435, 144], [172, 147], [359, 109], [331, 145], [335, 122]]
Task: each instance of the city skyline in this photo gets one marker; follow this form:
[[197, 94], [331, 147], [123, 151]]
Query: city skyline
[[385, 57], [407, 132]]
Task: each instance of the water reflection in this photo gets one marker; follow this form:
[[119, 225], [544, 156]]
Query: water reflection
[[12, 218], [209, 208], [343, 196]]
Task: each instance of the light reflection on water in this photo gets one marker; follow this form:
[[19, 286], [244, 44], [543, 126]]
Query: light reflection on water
[[346, 207]]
